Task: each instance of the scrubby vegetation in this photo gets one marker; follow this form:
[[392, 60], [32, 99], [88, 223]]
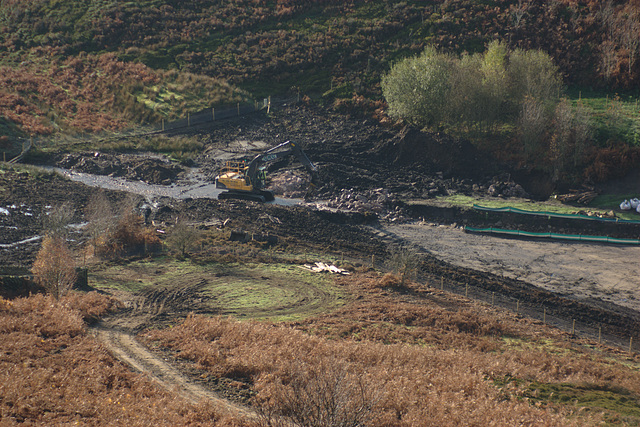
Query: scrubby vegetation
[[53, 372], [323, 46], [79, 67], [410, 363]]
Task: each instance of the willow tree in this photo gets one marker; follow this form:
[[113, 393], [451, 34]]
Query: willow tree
[[417, 89]]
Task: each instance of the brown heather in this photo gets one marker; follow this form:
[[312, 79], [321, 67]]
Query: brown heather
[[388, 358], [52, 372], [448, 375]]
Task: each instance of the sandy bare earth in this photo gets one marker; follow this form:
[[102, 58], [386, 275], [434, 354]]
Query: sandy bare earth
[[607, 272]]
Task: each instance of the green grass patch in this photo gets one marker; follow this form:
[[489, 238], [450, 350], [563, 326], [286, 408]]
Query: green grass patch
[[552, 205], [601, 204], [260, 291], [614, 117], [620, 406], [612, 202]]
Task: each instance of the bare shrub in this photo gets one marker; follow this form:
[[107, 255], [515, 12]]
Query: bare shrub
[[128, 237], [91, 306], [318, 393], [404, 263], [389, 280], [58, 219], [182, 237], [100, 217], [54, 267], [533, 125]]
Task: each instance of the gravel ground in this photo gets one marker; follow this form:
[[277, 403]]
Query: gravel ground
[[581, 271]]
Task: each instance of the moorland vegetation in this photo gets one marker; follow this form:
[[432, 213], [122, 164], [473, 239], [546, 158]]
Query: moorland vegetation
[[77, 67], [392, 352]]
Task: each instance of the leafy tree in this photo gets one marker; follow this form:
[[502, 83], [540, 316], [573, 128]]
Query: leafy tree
[[417, 89], [482, 89], [533, 74], [494, 82], [467, 94], [54, 267]]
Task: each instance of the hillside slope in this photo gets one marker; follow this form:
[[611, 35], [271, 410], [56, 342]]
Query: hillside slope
[[51, 52]]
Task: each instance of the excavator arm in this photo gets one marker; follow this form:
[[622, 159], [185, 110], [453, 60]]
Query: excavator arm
[[247, 181], [279, 151]]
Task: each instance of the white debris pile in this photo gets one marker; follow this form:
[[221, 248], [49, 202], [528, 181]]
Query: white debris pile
[[320, 267], [633, 204]]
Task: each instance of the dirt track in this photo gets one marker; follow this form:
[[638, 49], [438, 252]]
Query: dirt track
[[125, 347], [357, 157]]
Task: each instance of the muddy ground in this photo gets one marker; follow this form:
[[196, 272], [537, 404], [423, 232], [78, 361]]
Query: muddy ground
[[372, 171]]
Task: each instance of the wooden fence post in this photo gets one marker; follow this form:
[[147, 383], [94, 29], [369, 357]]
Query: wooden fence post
[[188, 119], [213, 112], [544, 316], [269, 105]]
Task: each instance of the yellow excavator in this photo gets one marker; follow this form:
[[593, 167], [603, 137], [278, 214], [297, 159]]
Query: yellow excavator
[[246, 181]]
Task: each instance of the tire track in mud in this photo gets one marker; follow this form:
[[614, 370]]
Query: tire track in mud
[[128, 350]]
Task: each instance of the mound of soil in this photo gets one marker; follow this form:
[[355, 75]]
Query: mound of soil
[[148, 169], [357, 155], [435, 152]]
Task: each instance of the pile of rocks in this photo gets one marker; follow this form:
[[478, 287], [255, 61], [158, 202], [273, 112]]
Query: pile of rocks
[[136, 168], [368, 201], [289, 184], [379, 201], [506, 188]]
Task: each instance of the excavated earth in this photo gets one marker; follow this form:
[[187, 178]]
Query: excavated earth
[[367, 175]]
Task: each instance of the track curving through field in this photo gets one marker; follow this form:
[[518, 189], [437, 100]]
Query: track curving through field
[[128, 350]]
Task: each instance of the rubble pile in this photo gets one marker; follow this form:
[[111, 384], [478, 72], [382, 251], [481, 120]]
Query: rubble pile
[[379, 201], [505, 187], [289, 184], [376, 200], [147, 169]]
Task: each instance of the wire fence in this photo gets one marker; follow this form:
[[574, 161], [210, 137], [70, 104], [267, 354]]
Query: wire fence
[[597, 321], [207, 116], [602, 334], [553, 315]]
